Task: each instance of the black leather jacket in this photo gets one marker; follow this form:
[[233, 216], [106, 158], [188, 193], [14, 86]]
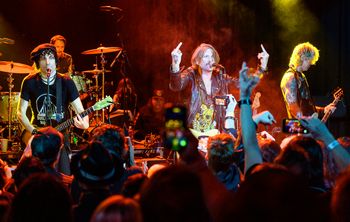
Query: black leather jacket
[[220, 86]]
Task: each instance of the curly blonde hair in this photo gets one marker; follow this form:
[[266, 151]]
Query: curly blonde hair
[[304, 51]]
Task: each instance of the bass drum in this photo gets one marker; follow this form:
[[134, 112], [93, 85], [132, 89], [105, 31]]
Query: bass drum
[[4, 106]]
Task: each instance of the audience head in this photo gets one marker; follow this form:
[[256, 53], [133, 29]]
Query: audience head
[[27, 167], [132, 186], [220, 152], [46, 145], [117, 209], [94, 166], [341, 197], [273, 193], [173, 193], [314, 150], [269, 149], [41, 198], [112, 138], [296, 159]]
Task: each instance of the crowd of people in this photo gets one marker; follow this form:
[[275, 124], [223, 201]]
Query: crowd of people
[[238, 175]]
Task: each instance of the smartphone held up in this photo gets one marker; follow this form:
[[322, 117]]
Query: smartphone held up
[[175, 125], [293, 126]]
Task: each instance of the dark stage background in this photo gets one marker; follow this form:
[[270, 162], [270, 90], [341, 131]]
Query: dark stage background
[[149, 29]]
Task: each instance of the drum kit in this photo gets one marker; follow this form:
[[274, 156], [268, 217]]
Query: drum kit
[[100, 72]]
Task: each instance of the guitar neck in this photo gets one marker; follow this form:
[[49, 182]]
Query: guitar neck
[[70, 122]]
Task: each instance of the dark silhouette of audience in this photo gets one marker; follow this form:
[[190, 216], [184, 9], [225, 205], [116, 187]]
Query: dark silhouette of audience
[[118, 209], [173, 194], [41, 198], [95, 170]]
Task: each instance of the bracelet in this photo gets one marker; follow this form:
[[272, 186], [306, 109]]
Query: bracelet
[[229, 117], [244, 101], [332, 145]]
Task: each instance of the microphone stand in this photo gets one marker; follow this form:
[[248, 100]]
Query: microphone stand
[[47, 103], [123, 70]]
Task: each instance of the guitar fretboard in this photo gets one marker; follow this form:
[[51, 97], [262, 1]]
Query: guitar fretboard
[[69, 122]]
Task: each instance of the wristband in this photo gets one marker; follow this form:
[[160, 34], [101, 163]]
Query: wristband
[[244, 101], [229, 117], [332, 145]]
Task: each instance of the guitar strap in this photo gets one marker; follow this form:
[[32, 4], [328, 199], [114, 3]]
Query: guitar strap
[[59, 116]]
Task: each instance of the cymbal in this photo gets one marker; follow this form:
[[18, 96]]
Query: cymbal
[[94, 71], [14, 67], [101, 50]]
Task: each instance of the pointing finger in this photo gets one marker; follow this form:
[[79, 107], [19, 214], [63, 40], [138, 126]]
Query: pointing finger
[[262, 47], [178, 46]]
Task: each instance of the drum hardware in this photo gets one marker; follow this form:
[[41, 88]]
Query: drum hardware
[[12, 68], [94, 71], [97, 72], [101, 50]]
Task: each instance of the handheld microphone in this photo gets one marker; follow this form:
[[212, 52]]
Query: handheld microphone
[[48, 72], [218, 68]]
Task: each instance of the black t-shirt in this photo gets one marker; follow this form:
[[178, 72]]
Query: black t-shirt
[[34, 90]]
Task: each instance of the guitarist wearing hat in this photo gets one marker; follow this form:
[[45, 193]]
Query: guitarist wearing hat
[[49, 93]]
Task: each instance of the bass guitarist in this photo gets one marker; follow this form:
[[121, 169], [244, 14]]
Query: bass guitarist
[[294, 85], [49, 94]]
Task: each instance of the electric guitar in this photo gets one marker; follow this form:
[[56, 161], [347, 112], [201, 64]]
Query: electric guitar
[[337, 95], [97, 106]]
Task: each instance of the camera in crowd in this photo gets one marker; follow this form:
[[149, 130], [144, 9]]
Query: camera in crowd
[[221, 100], [175, 126], [293, 126]]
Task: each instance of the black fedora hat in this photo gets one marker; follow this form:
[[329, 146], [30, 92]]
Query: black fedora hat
[[94, 165]]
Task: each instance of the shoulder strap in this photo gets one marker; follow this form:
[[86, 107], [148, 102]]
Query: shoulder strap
[[59, 98]]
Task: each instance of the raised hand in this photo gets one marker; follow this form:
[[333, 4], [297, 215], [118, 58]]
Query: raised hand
[[176, 55], [264, 117], [263, 57], [246, 82]]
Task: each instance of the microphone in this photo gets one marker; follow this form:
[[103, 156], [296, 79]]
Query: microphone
[[48, 73], [7, 41], [218, 68], [108, 8]]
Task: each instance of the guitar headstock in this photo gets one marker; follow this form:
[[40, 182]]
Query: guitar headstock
[[338, 93], [103, 103]]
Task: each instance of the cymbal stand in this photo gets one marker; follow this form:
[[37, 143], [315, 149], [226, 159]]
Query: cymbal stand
[[103, 62], [10, 81]]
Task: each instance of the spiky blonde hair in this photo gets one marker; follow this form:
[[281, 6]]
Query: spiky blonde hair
[[304, 51]]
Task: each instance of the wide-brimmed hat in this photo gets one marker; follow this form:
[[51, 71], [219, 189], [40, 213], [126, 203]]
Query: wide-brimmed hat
[[94, 165]]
